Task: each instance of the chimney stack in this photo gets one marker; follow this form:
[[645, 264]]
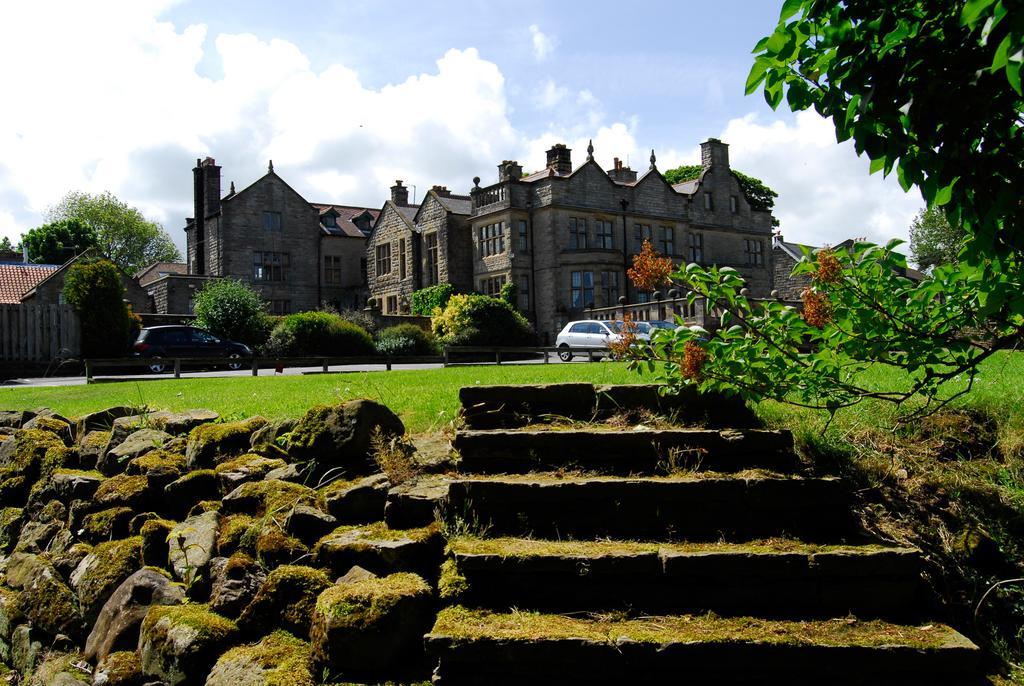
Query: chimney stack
[[714, 153], [207, 188], [621, 173], [510, 169], [399, 193], [560, 159], [442, 191]]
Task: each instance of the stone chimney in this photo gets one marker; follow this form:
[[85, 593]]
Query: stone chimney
[[560, 159], [510, 169], [399, 193], [206, 177], [442, 191], [714, 153], [621, 173]]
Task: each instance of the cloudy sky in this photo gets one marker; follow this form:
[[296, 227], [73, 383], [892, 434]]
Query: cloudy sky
[[348, 95]]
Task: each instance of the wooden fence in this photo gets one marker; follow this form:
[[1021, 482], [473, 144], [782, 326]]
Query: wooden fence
[[38, 333]]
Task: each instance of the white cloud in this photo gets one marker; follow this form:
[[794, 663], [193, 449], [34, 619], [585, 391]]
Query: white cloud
[[550, 95], [543, 44], [825, 192]]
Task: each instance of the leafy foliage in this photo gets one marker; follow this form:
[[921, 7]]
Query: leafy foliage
[[360, 318], [59, 241], [405, 339], [758, 194], [130, 240], [481, 320], [509, 293], [96, 292], [7, 246], [426, 300], [232, 310], [650, 270], [318, 333], [933, 241]]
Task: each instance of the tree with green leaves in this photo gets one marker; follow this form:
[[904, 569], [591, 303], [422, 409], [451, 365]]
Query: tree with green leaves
[[233, 310], [930, 90], [59, 241], [758, 194], [933, 240], [7, 246], [130, 240], [94, 288]]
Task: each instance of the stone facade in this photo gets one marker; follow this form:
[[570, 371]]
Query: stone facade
[[412, 247], [785, 257], [298, 255], [50, 290], [566, 237]]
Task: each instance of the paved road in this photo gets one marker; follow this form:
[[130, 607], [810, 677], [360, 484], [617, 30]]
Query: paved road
[[197, 374]]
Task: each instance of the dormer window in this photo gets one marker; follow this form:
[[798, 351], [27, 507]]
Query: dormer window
[[331, 220]]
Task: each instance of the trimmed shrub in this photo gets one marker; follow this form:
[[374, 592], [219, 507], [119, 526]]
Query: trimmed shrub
[[360, 318], [426, 300], [481, 320], [405, 339], [96, 292], [318, 333], [231, 309]]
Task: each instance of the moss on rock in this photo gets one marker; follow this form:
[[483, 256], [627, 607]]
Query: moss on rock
[[91, 447], [123, 490], [107, 525], [119, 669], [210, 444], [154, 548], [280, 659], [452, 583], [44, 598], [103, 570], [238, 532], [248, 467], [158, 463], [273, 497], [341, 436], [60, 669], [180, 643], [11, 519], [285, 600]]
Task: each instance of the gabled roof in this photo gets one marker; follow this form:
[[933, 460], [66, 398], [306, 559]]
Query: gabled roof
[[61, 269], [456, 204], [157, 269], [406, 212], [18, 279], [794, 250], [346, 215]]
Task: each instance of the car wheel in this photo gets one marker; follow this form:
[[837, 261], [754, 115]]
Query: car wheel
[[564, 354], [157, 364], [235, 362]]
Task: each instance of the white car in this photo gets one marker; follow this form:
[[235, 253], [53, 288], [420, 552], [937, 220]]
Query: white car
[[590, 333]]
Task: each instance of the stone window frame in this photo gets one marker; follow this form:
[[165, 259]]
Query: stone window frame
[[280, 307], [578, 233], [271, 221], [382, 263], [523, 296], [581, 284], [332, 268], [667, 239], [754, 250], [734, 204], [403, 269], [610, 287], [492, 285], [709, 201], [268, 266], [433, 275], [491, 239], [523, 237], [642, 232], [696, 247], [604, 236], [391, 304]]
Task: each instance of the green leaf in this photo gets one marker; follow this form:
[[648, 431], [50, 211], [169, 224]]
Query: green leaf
[[1002, 54], [973, 10], [1013, 76], [877, 165], [789, 8], [757, 74], [944, 195]]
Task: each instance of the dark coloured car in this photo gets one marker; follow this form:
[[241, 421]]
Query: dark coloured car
[[161, 343]]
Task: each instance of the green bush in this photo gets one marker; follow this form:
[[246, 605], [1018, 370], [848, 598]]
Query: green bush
[[405, 339], [362, 319], [426, 300], [231, 309], [481, 320], [96, 292], [318, 333], [510, 293]]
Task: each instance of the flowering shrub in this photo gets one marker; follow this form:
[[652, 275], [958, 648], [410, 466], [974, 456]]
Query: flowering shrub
[[650, 270]]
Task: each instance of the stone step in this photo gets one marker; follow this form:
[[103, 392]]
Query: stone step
[[651, 508], [774, 577], [489, 407], [478, 647], [624, 452]]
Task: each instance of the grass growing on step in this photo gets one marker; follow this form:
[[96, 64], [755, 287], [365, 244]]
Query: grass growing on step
[[527, 547], [459, 622], [426, 400], [579, 476]]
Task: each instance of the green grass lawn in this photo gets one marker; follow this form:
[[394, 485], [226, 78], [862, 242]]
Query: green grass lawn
[[425, 399]]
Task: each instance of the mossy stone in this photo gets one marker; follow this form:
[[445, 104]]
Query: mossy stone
[[193, 543], [60, 669], [155, 547], [137, 444], [285, 600], [10, 524], [238, 533], [274, 547], [210, 444], [107, 525], [195, 486], [274, 497], [54, 425], [45, 599], [372, 628], [236, 580], [341, 436], [91, 447], [25, 454], [123, 490], [68, 561], [103, 570], [179, 644], [279, 659], [119, 669], [160, 467], [249, 467], [11, 615]]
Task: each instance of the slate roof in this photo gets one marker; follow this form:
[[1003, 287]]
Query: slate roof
[[346, 213], [158, 269], [456, 204], [18, 279]]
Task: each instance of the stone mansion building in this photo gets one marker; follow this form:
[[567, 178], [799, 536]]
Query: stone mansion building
[[566, 236]]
